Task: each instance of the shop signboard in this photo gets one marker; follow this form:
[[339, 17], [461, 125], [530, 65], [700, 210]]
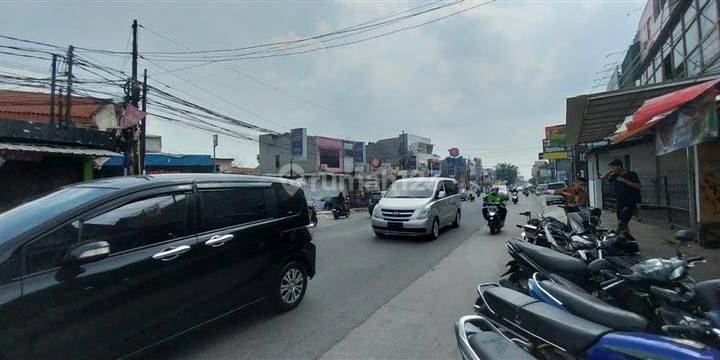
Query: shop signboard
[[555, 155], [298, 143]]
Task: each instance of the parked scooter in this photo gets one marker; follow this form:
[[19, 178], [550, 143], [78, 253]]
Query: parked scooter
[[546, 332], [339, 211]]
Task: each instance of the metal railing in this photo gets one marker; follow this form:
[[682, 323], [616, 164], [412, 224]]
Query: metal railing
[[663, 198]]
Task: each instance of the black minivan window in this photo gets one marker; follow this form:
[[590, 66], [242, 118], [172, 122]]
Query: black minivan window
[[290, 199], [139, 223], [48, 251], [229, 207]]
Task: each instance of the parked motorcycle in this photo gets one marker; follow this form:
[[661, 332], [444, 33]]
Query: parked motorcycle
[[544, 331], [339, 211], [671, 308]]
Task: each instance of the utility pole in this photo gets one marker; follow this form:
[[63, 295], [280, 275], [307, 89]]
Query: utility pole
[[135, 91], [52, 88], [141, 159], [291, 167], [215, 144], [131, 154], [68, 101]]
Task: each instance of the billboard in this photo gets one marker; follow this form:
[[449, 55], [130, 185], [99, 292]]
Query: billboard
[[556, 135], [359, 152], [298, 143], [555, 155]]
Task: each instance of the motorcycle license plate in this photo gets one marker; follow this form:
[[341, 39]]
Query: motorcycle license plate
[[395, 225]]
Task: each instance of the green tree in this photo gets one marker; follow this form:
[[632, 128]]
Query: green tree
[[506, 172]]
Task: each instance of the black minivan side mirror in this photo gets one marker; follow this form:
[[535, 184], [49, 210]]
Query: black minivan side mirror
[[88, 252]]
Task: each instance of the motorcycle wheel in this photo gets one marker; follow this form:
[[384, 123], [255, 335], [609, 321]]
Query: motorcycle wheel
[[335, 215]]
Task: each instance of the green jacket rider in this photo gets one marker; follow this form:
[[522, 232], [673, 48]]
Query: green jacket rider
[[494, 196]]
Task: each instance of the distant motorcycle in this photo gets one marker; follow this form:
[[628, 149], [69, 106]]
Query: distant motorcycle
[[339, 211], [526, 193], [313, 214], [472, 196], [514, 198]]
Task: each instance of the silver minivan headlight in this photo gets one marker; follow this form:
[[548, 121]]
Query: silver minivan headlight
[[377, 211], [424, 212]]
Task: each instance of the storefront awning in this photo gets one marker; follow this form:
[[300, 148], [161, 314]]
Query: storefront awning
[[56, 149], [656, 109], [594, 117]]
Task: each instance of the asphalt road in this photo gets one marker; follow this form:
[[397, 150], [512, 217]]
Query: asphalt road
[[357, 273]]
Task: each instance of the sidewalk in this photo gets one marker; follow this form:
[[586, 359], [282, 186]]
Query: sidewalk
[[656, 240]]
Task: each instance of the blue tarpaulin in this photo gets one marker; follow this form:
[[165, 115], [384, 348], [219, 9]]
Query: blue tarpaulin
[[167, 160]]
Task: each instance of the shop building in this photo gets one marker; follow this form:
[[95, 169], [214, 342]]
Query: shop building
[[660, 118]]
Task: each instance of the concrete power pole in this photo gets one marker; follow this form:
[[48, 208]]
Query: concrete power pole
[[68, 101], [53, 79]]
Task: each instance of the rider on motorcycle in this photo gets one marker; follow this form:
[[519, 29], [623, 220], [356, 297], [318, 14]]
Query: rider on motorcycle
[[494, 197], [340, 202]]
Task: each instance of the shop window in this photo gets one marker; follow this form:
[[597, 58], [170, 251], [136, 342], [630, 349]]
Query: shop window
[[659, 75], [703, 2], [330, 157], [690, 14], [679, 55], [691, 37], [710, 48], [693, 63], [667, 68], [677, 32], [708, 18]]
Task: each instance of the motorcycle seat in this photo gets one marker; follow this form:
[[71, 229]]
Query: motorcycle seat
[[489, 345], [588, 307], [551, 260], [553, 325], [708, 294]]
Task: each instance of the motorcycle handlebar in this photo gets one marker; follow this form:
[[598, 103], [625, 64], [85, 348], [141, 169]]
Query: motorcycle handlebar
[[695, 259]]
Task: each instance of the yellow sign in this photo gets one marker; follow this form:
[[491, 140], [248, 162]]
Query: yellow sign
[[555, 155]]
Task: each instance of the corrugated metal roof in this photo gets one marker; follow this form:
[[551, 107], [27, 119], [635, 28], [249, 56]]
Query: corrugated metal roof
[[56, 149], [34, 106]]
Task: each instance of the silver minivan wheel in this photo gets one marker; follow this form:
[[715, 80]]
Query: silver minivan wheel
[[434, 229]]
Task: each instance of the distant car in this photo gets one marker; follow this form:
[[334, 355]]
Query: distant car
[[540, 189], [503, 190], [463, 195], [550, 197], [374, 198]]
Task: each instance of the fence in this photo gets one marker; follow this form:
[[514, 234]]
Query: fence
[[663, 199]]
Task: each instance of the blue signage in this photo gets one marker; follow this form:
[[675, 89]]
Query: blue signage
[[358, 152], [298, 143]]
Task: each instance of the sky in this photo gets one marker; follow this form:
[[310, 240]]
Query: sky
[[486, 81]]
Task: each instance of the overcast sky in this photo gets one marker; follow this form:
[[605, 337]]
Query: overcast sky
[[486, 81]]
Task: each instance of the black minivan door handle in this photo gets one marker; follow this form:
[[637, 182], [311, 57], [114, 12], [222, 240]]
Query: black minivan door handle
[[171, 253], [219, 240]]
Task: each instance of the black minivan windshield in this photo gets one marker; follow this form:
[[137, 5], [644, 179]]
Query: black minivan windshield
[[20, 219], [411, 189]]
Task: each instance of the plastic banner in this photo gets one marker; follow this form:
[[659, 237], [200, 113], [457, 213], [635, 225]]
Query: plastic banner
[[689, 125]]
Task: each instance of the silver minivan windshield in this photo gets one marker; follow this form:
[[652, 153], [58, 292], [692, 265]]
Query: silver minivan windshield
[[411, 189]]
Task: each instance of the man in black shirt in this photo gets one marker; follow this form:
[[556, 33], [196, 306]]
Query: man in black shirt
[[627, 192]]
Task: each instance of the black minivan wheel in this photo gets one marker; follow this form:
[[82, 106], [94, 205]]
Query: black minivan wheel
[[289, 287]]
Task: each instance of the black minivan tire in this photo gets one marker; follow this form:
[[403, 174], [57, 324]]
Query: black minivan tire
[[293, 278]]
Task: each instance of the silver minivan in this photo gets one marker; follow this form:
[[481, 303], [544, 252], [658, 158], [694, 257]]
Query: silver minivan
[[418, 206]]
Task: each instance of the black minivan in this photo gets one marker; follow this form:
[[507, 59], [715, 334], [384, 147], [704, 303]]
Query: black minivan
[[110, 267]]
